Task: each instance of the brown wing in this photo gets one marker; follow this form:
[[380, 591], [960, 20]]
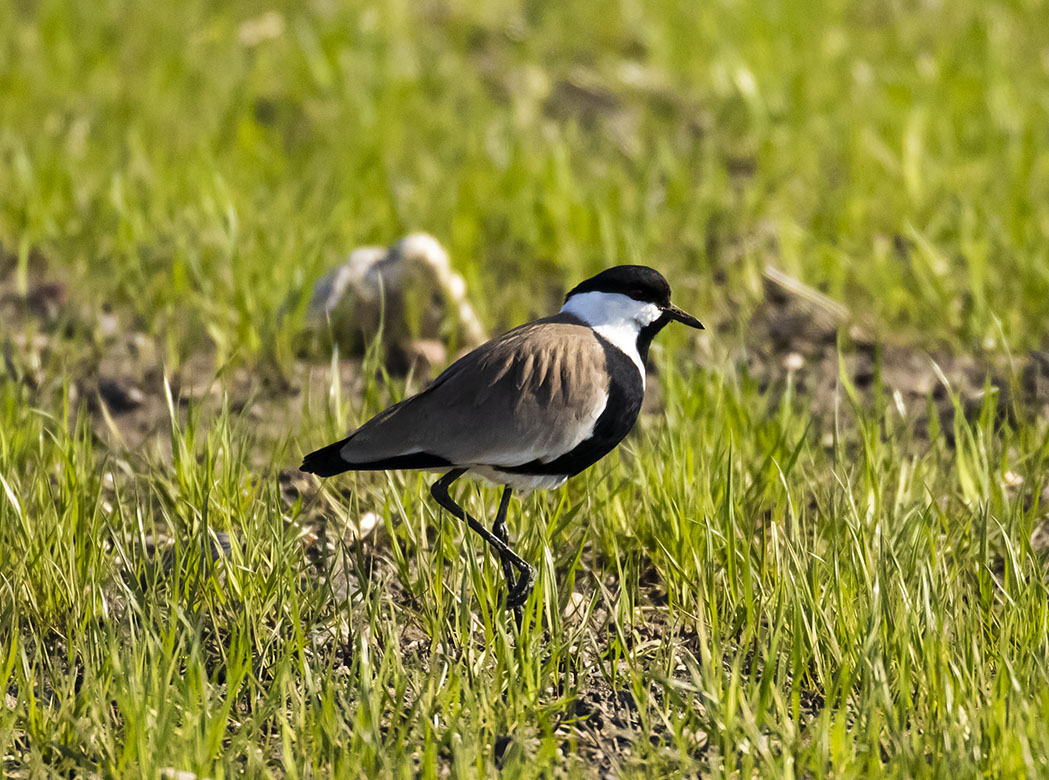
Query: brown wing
[[531, 394]]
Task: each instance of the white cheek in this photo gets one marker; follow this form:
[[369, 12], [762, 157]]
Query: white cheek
[[600, 308], [648, 314]]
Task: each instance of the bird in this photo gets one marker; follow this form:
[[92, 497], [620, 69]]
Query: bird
[[526, 410]]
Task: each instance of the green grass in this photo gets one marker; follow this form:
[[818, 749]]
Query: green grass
[[765, 592]]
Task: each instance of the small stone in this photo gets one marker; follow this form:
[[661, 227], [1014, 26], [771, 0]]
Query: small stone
[[120, 397], [108, 325], [260, 28], [429, 352], [575, 609], [368, 522]]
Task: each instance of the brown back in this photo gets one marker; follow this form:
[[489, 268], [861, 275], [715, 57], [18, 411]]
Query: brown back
[[532, 393]]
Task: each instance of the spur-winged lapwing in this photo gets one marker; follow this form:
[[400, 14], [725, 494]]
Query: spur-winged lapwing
[[528, 409]]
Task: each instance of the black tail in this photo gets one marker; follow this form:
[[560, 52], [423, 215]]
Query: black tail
[[327, 461]]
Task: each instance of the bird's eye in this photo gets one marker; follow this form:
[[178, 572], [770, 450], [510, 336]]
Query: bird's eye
[[637, 292]]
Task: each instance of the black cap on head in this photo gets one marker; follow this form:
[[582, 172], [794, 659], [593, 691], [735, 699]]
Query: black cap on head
[[635, 281]]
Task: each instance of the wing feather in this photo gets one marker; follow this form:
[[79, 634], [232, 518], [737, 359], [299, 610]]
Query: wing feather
[[531, 394]]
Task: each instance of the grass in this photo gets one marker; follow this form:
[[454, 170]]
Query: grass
[[747, 587]]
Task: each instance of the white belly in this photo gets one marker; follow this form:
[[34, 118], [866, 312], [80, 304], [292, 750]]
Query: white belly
[[523, 484]]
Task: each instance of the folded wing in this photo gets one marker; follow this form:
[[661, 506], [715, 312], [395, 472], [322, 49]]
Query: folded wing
[[532, 394]]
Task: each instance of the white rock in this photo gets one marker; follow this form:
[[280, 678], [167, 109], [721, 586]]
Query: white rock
[[409, 290]]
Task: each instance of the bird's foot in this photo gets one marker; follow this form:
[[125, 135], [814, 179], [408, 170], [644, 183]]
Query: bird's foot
[[519, 592]]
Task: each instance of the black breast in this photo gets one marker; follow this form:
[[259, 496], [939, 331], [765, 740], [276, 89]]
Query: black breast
[[626, 391]]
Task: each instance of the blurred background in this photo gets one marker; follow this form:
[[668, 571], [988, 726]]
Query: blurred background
[[195, 168]]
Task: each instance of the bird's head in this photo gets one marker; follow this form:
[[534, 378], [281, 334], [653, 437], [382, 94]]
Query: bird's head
[[626, 294]]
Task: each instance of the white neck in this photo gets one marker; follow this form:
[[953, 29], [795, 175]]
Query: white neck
[[616, 318]]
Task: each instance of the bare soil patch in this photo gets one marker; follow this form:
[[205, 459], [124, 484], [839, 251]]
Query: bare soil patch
[[799, 337]]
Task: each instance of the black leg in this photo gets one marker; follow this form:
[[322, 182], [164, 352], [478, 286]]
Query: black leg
[[518, 592], [499, 529]]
